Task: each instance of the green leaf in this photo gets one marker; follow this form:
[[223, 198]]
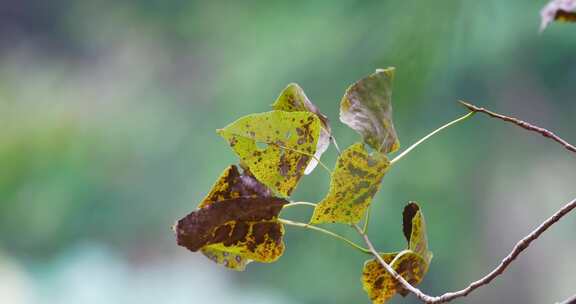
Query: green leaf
[[289, 139], [293, 99], [235, 251], [354, 182], [367, 108], [558, 10], [412, 264], [381, 286]]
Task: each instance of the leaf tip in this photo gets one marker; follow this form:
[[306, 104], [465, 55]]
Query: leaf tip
[[389, 71], [408, 214]]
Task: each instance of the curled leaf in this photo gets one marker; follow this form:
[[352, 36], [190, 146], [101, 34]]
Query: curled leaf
[[412, 263], [222, 227], [275, 146], [353, 183], [367, 108], [244, 226], [558, 10], [414, 228], [293, 99], [381, 286]]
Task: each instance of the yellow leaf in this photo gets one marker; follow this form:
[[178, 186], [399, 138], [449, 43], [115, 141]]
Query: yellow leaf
[[354, 182], [288, 141], [293, 99], [381, 286], [412, 263]]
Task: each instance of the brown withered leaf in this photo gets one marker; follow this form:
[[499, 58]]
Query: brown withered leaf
[[231, 185], [367, 108], [247, 227], [558, 10], [293, 99]]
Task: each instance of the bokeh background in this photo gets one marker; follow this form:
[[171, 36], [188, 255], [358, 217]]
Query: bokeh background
[[107, 118]]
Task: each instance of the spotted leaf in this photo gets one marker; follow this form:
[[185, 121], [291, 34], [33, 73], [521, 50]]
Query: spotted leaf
[[353, 183], [412, 263], [558, 10], [275, 146], [244, 227], [367, 108], [414, 228], [381, 286], [293, 99], [231, 184]]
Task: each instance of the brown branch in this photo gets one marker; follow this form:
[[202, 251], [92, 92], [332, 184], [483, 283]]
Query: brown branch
[[521, 124], [518, 248]]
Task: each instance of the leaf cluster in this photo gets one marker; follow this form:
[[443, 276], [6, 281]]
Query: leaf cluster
[[238, 221]]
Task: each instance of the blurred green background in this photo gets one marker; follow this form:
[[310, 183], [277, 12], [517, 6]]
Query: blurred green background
[[107, 118]]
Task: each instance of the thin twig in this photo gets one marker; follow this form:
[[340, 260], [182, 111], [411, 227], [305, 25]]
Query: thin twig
[[423, 139], [327, 232], [521, 124], [518, 248]]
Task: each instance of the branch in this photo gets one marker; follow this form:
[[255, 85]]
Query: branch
[[518, 248], [521, 124], [449, 296]]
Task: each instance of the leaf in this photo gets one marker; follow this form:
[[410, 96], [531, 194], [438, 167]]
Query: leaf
[[354, 182], [290, 139], [558, 10], [412, 263], [293, 99], [414, 228], [247, 227], [367, 108], [381, 286], [231, 184], [233, 252]]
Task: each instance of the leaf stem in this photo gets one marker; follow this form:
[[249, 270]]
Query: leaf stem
[[333, 139], [304, 153], [293, 204], [327, 232], [367, 220], [423, 139]]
